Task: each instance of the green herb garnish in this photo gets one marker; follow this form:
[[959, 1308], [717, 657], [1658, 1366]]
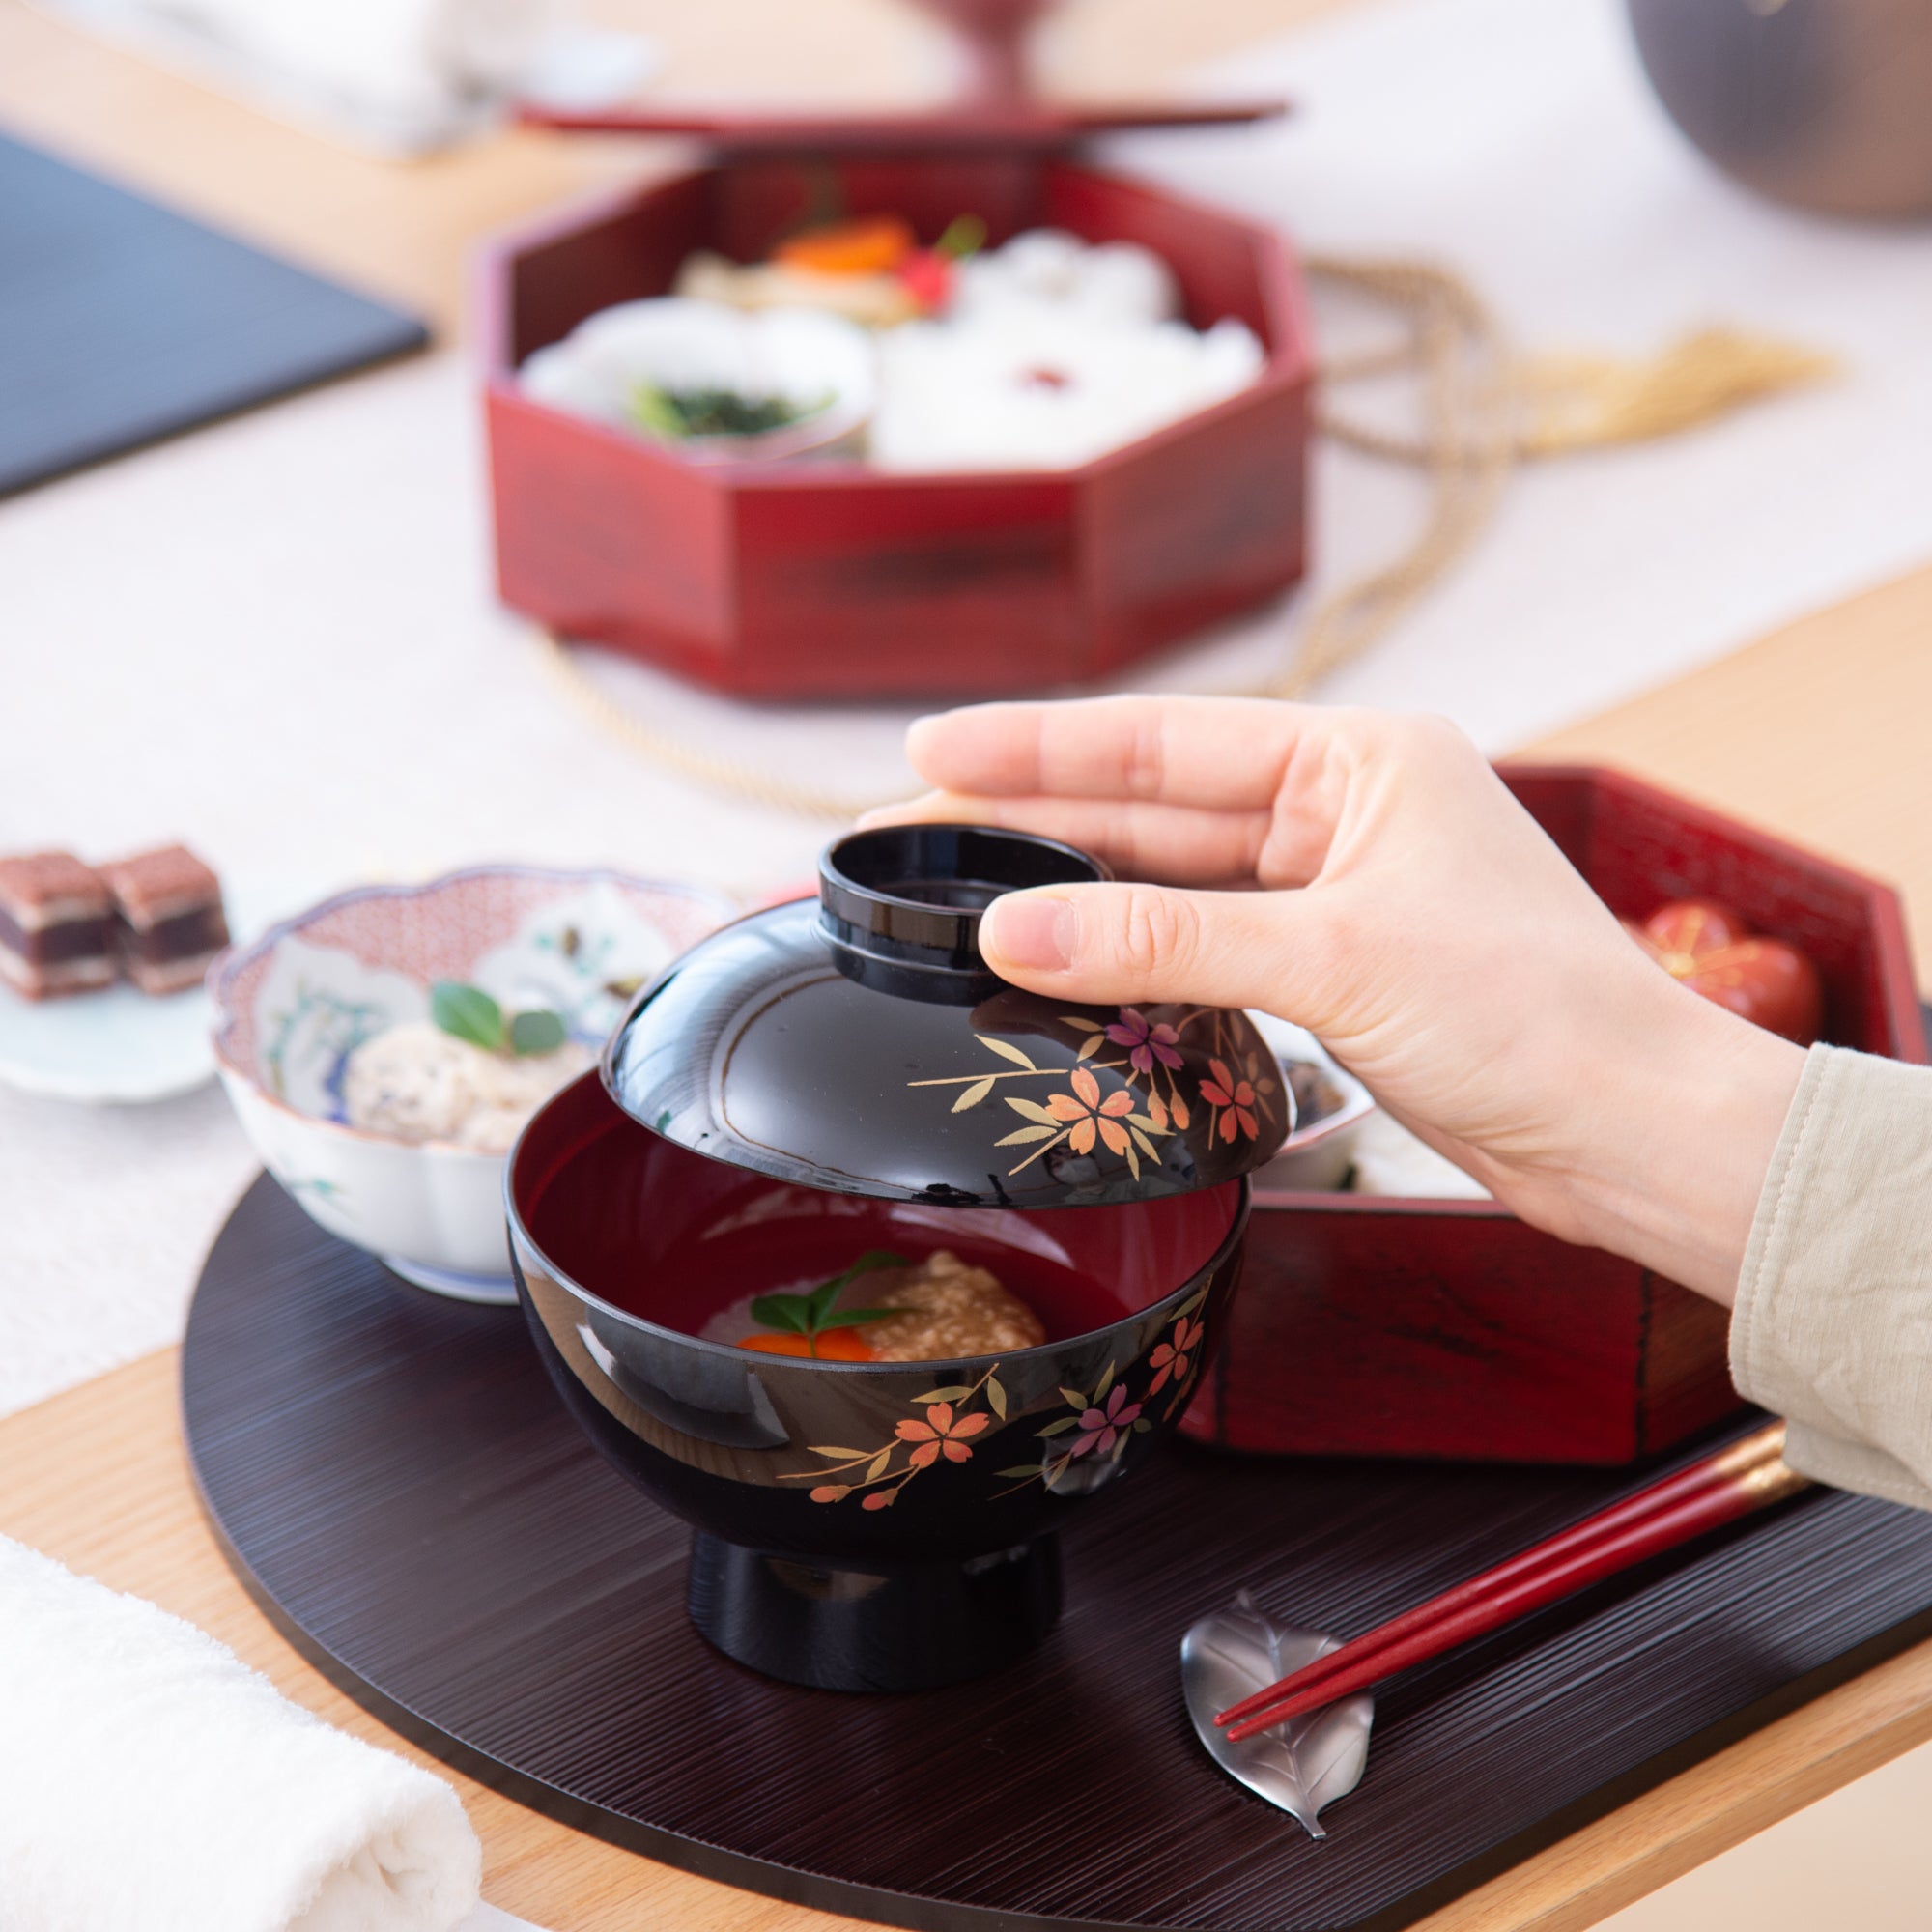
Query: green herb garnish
[[469, 1013], [680, 414], [810, 1315], [965, 235]]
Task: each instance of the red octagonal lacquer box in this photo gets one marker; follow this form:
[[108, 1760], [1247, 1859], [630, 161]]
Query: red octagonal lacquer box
[[1377, 1327], [816, 578]]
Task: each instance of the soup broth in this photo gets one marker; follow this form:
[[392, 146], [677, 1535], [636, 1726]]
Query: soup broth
[[683, 1241]]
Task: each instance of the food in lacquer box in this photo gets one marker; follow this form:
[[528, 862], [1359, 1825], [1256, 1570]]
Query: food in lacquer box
[[871, 271], [56, 925], [168, 918], [710, 381], [1040, 355], [469, 1076]]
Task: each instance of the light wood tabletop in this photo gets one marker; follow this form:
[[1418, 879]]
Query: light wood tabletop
[[1816, 732]]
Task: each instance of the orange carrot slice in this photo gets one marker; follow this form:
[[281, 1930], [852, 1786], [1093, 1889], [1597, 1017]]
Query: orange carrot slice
[[870, 245], [834, 1345]]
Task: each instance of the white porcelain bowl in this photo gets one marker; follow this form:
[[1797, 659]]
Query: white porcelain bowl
[[292, 1007]]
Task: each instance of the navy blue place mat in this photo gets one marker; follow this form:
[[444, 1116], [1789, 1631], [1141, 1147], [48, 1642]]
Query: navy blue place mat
[[122, 322]]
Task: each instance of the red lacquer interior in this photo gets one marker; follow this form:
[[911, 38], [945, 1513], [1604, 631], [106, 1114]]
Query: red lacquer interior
[[674, 1237]]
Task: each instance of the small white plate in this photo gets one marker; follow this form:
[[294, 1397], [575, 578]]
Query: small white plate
[[120, 1046]]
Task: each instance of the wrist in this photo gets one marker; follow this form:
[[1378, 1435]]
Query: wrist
[[1682, 1134]]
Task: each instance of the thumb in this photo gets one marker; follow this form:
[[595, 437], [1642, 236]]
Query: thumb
[[1117, 944]]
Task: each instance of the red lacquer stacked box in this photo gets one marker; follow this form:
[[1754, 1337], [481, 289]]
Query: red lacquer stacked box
[[1375, 1327], [819, 578]]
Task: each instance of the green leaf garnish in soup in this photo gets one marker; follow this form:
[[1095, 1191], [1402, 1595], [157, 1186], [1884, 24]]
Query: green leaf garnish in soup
[[810, 1315]]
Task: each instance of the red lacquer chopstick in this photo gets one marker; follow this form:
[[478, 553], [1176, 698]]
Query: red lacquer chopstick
[[1717, 1470], [1743, 1476]]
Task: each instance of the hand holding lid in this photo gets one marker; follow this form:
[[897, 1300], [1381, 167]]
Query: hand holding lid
[[862, 1045]]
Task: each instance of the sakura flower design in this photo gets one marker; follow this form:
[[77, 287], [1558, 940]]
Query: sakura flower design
[[1102, 1426], [1171, 1360], [1145, 1042], [944, 1428], [1085, 1113], [939, 1432], [1233, 1100]]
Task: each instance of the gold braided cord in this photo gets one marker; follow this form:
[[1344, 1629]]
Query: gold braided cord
[[1483, 411], [1589, 402], [1463, 363], [667, 749]]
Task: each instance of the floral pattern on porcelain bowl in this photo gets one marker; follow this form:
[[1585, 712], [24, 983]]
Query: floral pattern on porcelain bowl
[[290, 1008]]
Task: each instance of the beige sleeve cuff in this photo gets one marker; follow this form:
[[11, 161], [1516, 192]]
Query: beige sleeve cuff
[[1833, 1328]]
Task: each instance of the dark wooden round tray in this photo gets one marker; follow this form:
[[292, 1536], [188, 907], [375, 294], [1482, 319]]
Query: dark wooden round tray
[[397, 1483]]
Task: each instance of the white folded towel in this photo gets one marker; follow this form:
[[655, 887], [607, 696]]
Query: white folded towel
[[149, 1781]]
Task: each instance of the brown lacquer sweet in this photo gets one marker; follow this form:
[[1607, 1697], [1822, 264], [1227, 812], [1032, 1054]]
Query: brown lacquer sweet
[[56, 925], [827, 1084], [168, 919]]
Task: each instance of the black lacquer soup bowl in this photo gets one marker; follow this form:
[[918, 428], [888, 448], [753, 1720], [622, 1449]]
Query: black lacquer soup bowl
[[860, 1526], [818, 1081]]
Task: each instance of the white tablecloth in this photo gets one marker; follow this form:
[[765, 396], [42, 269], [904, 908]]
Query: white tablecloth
[[275, 639]]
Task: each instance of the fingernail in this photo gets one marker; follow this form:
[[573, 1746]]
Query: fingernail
[[1033, 930]]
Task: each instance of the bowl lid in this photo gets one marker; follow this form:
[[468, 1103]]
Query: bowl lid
[[860, 1044]]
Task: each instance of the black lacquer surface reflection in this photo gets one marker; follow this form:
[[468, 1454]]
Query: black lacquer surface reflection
[[857, 1044], [917, 1549]]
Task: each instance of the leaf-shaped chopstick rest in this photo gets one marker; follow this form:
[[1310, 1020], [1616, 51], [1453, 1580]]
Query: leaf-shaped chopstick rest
[[1300, 1766]]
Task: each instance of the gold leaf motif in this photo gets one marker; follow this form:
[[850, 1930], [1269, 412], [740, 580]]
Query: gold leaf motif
[[956, 1394], [1090, 1045], [1007, 1051], [837, 1454], [876, 1468], [1073, 1397], [1146, 1147], [973, 1094], [1105, 1382], [1034, 1111], [1081, 1023], [996, 1396], [1026, 1134], [1024, 1471]]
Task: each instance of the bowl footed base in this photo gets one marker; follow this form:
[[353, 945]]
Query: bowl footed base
[[876, 1626]]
